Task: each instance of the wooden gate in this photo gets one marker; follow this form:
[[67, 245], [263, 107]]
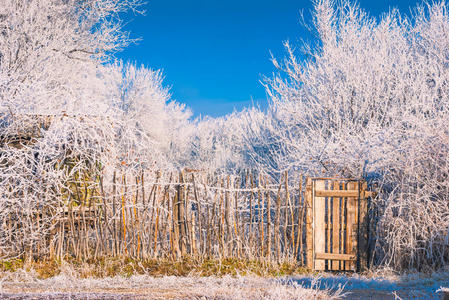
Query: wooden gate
[[337, 225]]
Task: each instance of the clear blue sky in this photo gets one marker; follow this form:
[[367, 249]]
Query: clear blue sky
[[214, 53]]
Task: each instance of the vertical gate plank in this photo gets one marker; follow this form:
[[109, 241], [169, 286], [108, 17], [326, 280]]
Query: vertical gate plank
[[351, 237], [319, 222], [336, 226], [344, 229], [309, 224], [363, 228], [328, 226]]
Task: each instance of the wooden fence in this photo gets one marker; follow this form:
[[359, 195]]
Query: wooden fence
[[171, 215]]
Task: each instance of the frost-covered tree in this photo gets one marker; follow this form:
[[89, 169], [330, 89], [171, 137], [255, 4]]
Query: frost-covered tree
[[49, 52], [70, 114], [222, 144], [371, 100], [153, 130], [55, 59]]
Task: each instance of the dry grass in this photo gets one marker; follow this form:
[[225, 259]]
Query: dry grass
[[130, 279], [68, 284], [114, 278], [125, 266]]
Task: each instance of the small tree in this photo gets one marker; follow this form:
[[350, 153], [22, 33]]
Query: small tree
[[371, 100]]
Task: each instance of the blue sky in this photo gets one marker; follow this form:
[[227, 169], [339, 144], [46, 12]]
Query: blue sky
[[214, 53]]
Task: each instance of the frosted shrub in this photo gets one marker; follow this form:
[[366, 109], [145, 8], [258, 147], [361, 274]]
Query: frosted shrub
[[69, 113], [371, 100]]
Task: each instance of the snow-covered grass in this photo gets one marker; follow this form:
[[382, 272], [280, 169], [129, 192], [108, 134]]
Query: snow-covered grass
[[171, 287], [380, 285]]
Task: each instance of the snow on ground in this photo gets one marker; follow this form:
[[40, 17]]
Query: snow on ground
[[26, 286], [382, 286], [22, 285]]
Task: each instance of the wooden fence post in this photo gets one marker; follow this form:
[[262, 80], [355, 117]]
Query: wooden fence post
[[286, 248], [319, 225], [198, 213], [363, 223], [268, 219], [277, 223], [261, 219], [299, 250], [236, 219], [181, 216], [176, 243], [351, 232], [309, 224], [227, 216]]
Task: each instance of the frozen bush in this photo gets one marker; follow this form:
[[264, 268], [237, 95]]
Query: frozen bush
[[371, 101]]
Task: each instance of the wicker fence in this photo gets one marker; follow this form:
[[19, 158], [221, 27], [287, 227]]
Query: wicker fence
[[171, 215]]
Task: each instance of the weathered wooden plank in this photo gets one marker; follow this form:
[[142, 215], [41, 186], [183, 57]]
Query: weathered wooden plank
[[336, 225], [292, 218], [236, 219], [343, 228], [309, 223], [250, 179], [351, 232], [335, 256], [277, 237], [261, 219], [335, 193], [181, 221], [198, 214], [227, 216], [268, 219], [299, 249], [342, 193], [328, 214], [286, 244], [363, 228], [319, 224]]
